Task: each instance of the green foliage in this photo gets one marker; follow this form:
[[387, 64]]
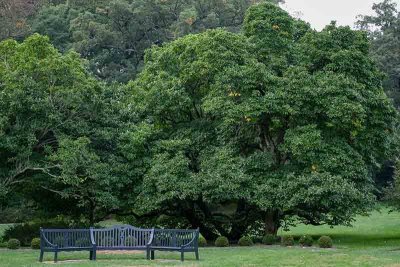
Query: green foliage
[[28, 231], [287, 240], [269, 239], [3, 244], [306, 241], [202, 241], [113, 35], [284, 123], [35, 243], [70, 142], [325, 242], [383, 30], [222, 241], [245, 241], [13, 244]]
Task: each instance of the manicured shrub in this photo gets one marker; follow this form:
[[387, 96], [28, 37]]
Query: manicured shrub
[[3, 244], [287, 241], [222, 241], [245, 241], [269, 239], [325, 242], [35, 243], [27, 231], [202, 241], [306, 241], [13, 244]]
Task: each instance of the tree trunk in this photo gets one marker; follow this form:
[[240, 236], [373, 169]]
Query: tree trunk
[[272, 222]]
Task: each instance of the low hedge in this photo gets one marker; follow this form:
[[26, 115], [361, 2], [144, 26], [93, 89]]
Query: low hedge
[[222, 241], [325, 242], [13, 244], [245, 241]]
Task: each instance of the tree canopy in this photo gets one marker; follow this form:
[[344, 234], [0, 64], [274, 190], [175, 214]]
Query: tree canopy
[[113, 35], [59, 129], [277, 124]]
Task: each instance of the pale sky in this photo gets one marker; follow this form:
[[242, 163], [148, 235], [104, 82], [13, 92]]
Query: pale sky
[[321, 12]]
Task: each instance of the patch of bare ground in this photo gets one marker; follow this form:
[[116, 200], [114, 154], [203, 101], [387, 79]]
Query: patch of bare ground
[[119, 252]]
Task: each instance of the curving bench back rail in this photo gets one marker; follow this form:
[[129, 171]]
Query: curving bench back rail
[[121, 237]]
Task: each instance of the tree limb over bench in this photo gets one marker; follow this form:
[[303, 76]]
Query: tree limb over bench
[[122, 237]]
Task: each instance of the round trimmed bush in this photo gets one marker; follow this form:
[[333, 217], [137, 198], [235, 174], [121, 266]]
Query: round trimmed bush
[[3, 244], [13, 243], [325, 242], [202, 241], [269, 239], [306, 241], [287, 241], [222, 241], [245, 241], [35, 243]]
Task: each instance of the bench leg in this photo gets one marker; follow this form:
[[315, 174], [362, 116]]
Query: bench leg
[[94, 254], [197, 254], [152, 254], [148, 254], [41, 255], [55, 256], [182, 256], [91, 255]]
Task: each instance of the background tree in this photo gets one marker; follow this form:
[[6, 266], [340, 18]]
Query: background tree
[[114, 35], [383, 29]]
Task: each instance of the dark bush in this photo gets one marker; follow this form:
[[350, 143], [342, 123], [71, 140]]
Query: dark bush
[[202, 241], [13, 244], [325, 242], [245, 241], [3, 244], [35, 243], [222, 241], [306, 241], [287, 241], [27, 231], [269, 239]]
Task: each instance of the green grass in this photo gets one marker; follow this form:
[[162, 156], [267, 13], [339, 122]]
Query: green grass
[[373, 241]]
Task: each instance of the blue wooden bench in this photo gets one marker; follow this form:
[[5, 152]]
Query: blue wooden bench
[[122, 237], [56, 240], [174, 240]]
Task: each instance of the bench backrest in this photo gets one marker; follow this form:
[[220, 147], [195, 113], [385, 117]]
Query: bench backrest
[[121, 236], [174, 238], [65, 238]]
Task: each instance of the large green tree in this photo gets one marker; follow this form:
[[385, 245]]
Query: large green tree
[[277, 125], [59, 130]]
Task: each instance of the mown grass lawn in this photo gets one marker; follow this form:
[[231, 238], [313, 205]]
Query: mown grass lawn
[[373, 241]]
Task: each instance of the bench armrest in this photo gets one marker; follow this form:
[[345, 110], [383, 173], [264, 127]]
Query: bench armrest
[[92, 240], [151, 238], [195, 237], [43, 237]]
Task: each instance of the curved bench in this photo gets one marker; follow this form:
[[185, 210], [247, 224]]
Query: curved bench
[[56, 240], [121, 237], [174, 240]]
